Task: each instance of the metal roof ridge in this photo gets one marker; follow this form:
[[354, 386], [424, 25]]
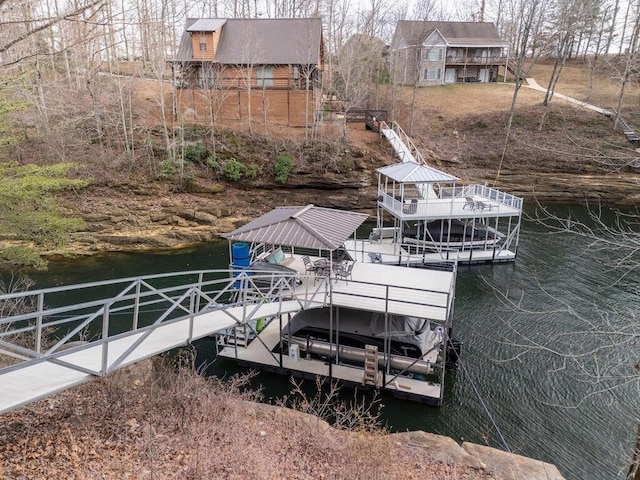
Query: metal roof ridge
[[302, 210], [414, 170], [310, 229]]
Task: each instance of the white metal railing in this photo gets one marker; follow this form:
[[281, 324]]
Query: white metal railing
[[405, 143], [483, 191], [115, 308], [451, 202], [442, 259]]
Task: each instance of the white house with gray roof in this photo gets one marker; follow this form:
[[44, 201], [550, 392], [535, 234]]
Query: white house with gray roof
[[434, 53]]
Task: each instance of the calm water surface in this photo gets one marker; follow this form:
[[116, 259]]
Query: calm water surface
[[544, 405]]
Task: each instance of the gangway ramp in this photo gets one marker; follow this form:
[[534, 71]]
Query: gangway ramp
[[49, 372], [403, 152]]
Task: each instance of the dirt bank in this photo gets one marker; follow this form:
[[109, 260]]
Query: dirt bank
[[137, 212]]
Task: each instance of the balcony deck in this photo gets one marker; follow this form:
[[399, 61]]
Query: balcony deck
[[485, 206]]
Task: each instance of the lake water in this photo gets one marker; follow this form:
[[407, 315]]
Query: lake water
[[574, 411]]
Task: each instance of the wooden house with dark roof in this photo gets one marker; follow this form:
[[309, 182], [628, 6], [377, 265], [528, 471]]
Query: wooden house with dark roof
[[269, 69], [434, 53]]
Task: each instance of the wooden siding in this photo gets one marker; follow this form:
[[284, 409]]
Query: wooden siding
[[211, 39], [286, 107], [238, 77]]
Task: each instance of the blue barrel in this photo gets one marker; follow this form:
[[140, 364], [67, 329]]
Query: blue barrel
[[240, 259]]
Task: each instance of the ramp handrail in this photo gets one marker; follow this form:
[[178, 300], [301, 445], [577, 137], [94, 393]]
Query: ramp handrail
[[120, 307], [404, 138]]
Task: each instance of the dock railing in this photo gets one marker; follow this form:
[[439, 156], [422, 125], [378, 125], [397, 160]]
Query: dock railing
[[451, 202], [55, 324], [483, 191], [405, 139]]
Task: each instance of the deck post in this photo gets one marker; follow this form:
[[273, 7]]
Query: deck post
[[280, 340], [39, 323], [136, 306], [105, 343], [192, 300], [330, 330]]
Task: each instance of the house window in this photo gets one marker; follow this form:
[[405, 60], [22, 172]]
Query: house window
[[296, 73], [264, 76], [432, 74], [435, 54], [202, 44]]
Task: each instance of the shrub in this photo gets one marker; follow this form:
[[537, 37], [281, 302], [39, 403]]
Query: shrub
[[253, 170], [194, 132], [233, 169], [213, 164], [196, 152], [282, 167], [168, 168]]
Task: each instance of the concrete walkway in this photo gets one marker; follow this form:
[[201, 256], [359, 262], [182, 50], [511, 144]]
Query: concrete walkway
[[535, 86]]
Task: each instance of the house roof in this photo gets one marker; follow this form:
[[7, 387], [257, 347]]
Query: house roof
[[411, 172], [480, 34], [206, 25], [304, 227], [265, 41]]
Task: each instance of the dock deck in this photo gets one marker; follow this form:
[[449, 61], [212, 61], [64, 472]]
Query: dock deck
[[258, 354], [380, 288]]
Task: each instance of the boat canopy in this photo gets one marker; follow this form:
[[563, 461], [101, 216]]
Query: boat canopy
[[303, 226]]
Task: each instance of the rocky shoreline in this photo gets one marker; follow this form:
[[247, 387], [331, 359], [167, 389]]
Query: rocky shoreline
[[157, 218]]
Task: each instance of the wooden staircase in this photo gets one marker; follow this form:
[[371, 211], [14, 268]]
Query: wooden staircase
[[512, 67], [629, 132]]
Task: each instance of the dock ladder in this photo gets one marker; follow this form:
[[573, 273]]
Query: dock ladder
[[371, 373]]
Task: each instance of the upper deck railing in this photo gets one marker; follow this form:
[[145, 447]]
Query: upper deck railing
[[483, 191], [452, 201], [473, 60]]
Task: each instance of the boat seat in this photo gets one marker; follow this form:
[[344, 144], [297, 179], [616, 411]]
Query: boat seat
[[278, 257]]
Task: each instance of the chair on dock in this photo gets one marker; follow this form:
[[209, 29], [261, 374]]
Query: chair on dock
[[470, 202], [344, 271], [321, 272], [410, 208], [482, 205], [308, 264]]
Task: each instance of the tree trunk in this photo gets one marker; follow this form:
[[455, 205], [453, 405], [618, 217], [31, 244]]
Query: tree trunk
[[634, 469]]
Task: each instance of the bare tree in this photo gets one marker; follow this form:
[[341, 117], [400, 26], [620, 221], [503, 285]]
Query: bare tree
[[630, 62], [527, 18]]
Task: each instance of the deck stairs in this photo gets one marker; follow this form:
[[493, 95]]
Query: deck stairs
[[512, 67], [631, 133], [239, 337]]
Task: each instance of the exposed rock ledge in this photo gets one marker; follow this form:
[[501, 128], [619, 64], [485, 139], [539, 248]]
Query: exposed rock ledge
[[499, 464]]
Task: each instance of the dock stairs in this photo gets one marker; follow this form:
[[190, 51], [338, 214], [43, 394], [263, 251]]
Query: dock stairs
[[371, 374], [240, 336]]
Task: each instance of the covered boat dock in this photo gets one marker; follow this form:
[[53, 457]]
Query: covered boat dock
[[388, 290]]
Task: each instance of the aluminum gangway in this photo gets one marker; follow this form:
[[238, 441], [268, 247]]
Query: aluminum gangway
[[402, 144], [124, 321]]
